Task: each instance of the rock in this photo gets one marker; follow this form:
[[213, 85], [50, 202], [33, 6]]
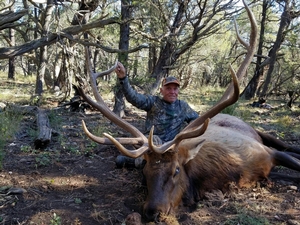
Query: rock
[[16, 191], [133, 219], [2, 106], [294, 188], [293, 222]]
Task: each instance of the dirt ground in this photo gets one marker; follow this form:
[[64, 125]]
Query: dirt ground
[[75, 181]]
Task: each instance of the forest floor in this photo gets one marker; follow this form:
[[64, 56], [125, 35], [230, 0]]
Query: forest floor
[[74, 181]]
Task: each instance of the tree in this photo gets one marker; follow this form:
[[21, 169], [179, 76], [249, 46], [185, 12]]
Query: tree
[[157, 38], [265, 68], [287, 16], [173, 29]]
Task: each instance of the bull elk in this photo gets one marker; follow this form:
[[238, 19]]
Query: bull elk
[[210, 153]]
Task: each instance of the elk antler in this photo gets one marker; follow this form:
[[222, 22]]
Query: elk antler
[[99, 104], [229, 97]]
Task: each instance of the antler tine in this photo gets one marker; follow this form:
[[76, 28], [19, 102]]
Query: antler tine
[[116, 141], [99, 104], [93, 76], [130, 153], [107, 72], [100, 140], [179, 137]]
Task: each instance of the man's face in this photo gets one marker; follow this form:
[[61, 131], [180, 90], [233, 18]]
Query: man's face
[[170, 92]]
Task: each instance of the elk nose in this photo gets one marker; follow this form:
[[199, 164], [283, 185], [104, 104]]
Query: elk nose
[[151, 214]]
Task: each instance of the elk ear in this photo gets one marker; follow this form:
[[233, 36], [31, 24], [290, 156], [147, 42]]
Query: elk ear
[[191, 153]]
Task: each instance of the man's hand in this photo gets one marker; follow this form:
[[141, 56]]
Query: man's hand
[[120, 70]]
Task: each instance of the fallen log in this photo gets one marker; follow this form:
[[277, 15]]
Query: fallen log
[[44, 130]]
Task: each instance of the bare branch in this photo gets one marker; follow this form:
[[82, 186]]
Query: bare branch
[[54, 37]]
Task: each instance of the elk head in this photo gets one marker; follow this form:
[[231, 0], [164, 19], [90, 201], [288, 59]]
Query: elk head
[[167, 181]]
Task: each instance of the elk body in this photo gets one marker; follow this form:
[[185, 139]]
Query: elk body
[[210, 153], [229, 151]]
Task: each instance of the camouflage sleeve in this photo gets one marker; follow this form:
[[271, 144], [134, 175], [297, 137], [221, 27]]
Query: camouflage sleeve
[[190, 114], [140, 101]]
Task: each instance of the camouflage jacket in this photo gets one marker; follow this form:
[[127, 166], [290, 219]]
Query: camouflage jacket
[[168, 118]]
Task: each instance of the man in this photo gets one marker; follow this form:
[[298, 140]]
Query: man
[[167, 114]]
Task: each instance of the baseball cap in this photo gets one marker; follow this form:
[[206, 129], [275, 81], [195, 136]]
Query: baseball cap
[[170, 80]]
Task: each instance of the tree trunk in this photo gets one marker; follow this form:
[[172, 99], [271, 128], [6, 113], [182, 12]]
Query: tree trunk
[[57, 70], [11, 61], [251, 89], [11, 68], [285, 21], [123, 57], [41, 71], [45, 20]]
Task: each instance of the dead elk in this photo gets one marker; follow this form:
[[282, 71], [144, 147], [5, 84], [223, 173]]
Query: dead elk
[[211, 152]]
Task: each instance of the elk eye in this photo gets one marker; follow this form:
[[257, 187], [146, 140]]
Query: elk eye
[[177, 170]]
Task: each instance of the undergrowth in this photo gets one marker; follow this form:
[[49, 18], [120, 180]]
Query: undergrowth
[[246, 219], [9, 125]]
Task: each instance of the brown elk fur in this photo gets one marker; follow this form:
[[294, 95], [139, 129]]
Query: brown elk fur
[[159, 172], [229, 151]]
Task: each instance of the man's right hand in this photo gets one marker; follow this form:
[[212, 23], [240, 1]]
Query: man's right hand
[[120, 70]]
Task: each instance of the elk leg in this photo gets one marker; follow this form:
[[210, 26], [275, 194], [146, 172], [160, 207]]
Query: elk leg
[[295, 155], [286, 160], [284, 177], [273, 142]]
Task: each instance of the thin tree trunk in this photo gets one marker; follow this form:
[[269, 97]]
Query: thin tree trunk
[[11, 61], [250, 90], [45, 20], [119, 106], [285, 21], [11, 68], [41, 71]]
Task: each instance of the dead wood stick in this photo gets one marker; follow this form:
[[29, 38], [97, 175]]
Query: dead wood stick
[[44, 130]]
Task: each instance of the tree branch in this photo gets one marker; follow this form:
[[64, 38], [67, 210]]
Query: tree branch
[[9, 17], [54, 37]]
